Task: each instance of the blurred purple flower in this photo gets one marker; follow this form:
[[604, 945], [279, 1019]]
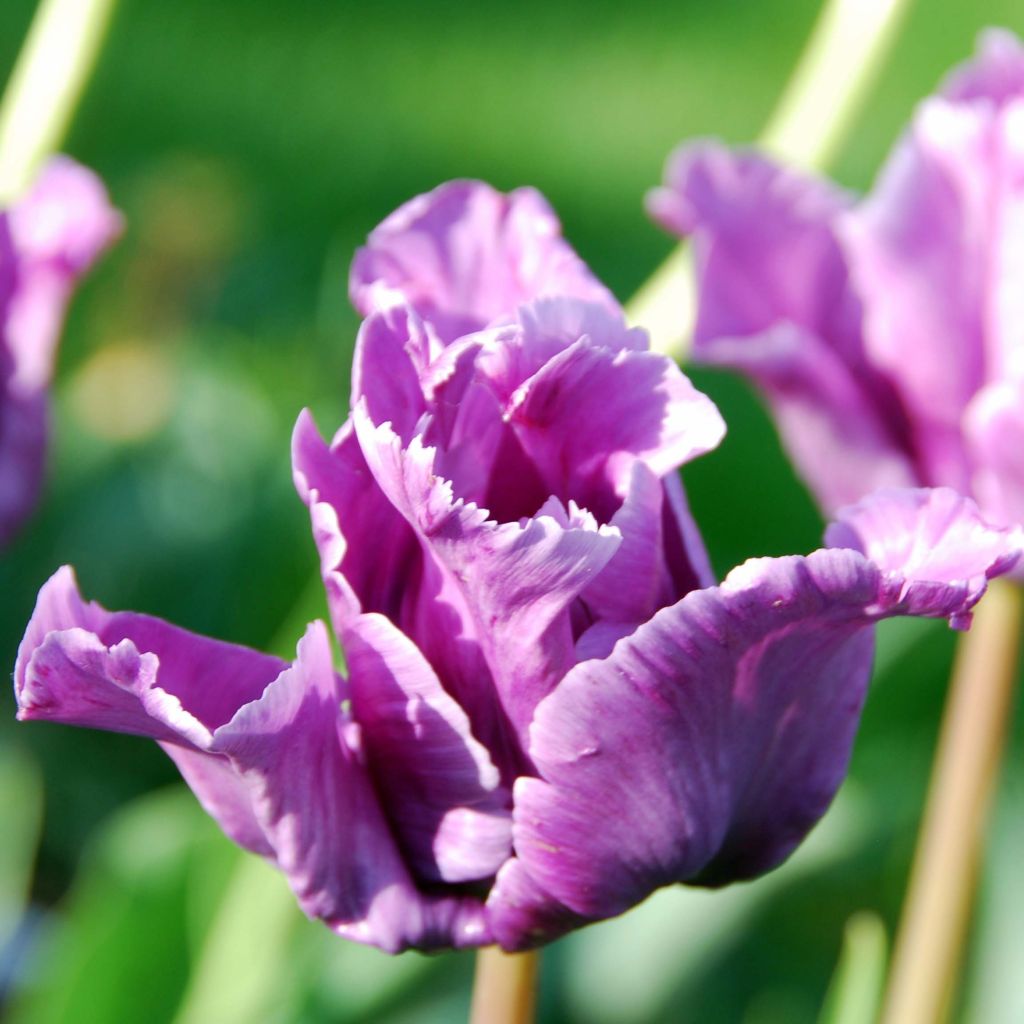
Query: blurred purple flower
[[887, 335], [48, 239], [550, 709]]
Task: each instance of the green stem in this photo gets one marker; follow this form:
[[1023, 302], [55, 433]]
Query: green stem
[[846, 50], [840, 63], [45, 86], [856, 988], [937, 908]]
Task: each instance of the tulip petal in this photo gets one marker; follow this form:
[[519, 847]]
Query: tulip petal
[[710, 740], [310, 793], [775, 302], [522, 914], [516, 580], [636, 581], [685, 554], [766, 248], [58, 230], [83, 665], [74, 679], [223, 794], [8, 282], [284, 774], [545, 328], [358, 576], [995, 73], [934, 549], [729, 714], [589, 412], [24, 426], [391, 346], [994, 427], [48, 239], [418, 386], [303, 761], [929, 250], [465, 255], [439, 784]]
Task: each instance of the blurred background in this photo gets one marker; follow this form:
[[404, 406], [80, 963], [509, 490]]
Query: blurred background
[[252, 144]]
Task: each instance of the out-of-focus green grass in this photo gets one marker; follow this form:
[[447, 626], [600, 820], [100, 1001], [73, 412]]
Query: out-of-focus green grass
[[252, 145]]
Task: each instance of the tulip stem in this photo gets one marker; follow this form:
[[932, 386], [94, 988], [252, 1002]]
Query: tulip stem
[[840, 63], [942, 881], [54, 64], [841, 60], [504, 987]]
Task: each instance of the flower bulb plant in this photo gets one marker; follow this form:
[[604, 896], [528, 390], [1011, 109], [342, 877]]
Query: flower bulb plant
[[885, 333], [48, 239], [549, 708]]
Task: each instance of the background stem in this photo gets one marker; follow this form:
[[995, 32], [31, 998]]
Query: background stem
[[936, 911], [840, 63], [45, 85], [505, 987]]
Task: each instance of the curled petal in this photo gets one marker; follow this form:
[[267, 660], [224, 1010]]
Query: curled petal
[[936, 552], [75, 679], [589, 412], [303, 761], [267, 748], [707, 743], [515, 581], [83, 665]]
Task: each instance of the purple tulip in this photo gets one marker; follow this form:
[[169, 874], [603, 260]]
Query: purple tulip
[[887, 335], [549, 709], [48, 239]]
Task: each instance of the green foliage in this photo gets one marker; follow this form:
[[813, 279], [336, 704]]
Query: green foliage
[[855, 994], [21, 811], [121, 949]]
